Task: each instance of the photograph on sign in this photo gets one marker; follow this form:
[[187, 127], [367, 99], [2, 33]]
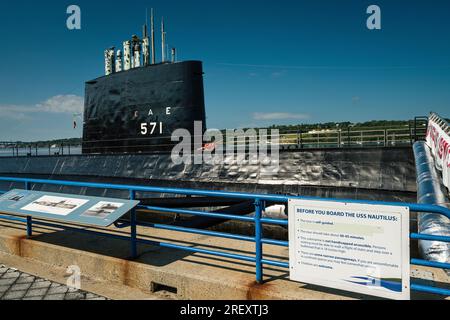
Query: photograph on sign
[[55, 205], [102, 209], [354, 247]]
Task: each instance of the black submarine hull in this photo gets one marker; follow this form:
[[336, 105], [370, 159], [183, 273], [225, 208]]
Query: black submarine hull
[[137, 110]]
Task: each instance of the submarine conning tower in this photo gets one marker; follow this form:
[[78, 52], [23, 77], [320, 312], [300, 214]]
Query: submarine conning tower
[[139, 103]]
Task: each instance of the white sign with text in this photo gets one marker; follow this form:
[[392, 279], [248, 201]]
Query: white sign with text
[[348, 246]]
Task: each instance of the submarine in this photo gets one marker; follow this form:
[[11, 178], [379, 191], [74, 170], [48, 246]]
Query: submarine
[[132, 111]]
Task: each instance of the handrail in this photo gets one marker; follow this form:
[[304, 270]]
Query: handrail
[[226, 194]]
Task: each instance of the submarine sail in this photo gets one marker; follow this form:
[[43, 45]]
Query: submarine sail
[[137, 110]]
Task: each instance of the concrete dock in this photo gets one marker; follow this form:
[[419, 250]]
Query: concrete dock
[[162, 273]]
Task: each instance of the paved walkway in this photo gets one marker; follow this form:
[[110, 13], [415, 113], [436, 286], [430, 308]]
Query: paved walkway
[[17, 285]]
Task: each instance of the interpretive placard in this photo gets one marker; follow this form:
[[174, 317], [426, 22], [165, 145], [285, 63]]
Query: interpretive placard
[[78, 209], [348, 246]]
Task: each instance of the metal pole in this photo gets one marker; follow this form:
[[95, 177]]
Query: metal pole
[[153, 38], [385, 138], [411, 139], [127, 55], [339, 138], [29, 227], [173, 55], [163, 41], [119, 61], [29, 219], [301, 139], [133, 228], [258, 242], [145, 42], [348, 137]]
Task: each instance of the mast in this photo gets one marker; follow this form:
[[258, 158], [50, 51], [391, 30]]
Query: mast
[[153, 38], [145, 42], [163, 41]]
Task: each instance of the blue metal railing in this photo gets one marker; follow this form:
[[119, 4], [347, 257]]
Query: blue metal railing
[[259, 202]]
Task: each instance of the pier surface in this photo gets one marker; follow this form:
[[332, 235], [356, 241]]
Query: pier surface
[[18, 285]]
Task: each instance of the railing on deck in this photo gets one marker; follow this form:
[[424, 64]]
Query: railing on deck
[[13, 149], [344, 138], [258, 221], [293, 139]]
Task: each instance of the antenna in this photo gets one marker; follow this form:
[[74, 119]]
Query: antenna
[[153, 38], [144, 31], [146, 15], [144, 28], [145, 41], [163, 41]]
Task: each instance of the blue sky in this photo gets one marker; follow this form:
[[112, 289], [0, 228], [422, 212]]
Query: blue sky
[[265, 61]]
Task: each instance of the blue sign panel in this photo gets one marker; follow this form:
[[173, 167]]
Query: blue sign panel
[[83, 210]]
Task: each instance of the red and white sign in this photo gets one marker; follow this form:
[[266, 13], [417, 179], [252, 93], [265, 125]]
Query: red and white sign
[[439, 142]]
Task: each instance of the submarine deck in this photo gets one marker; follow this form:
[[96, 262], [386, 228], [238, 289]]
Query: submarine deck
[[386, 174]]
